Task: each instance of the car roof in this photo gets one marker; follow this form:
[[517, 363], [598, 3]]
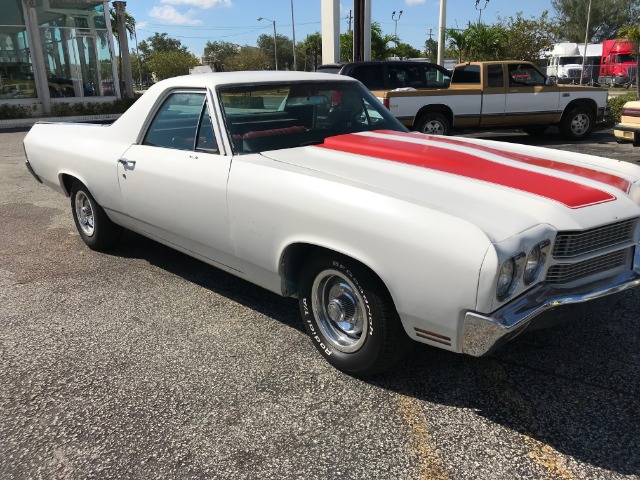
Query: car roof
[[246, 77]]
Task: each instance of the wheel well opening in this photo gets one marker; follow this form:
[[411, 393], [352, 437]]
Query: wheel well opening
[[292, 262], [67, 181], [584, 103], [442, 109]]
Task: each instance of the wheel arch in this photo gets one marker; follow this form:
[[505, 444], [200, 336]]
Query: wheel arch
[[434, 108], [588, 103], [295, 255], [66, 182]]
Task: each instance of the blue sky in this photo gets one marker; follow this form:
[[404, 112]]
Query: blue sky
[[196, 21]]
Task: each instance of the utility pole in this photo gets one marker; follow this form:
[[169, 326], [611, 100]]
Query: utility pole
[[349, 19], [395, 32], [293, 29], [586, 39], [441, 28], [486, 2]]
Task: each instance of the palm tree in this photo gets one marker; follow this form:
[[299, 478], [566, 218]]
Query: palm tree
[[130, 27], [633, 35]]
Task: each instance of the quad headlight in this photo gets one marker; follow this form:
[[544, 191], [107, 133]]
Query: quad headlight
[[506, 278], [535, 261], [521, 268]]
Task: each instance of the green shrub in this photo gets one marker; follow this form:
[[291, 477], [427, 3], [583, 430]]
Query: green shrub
[[615, 108], [11, 112], [91, 108]]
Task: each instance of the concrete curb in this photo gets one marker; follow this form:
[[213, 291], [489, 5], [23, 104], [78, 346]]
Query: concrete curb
[[28, 122]]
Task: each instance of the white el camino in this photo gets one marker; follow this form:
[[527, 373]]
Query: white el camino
[[305, 185]]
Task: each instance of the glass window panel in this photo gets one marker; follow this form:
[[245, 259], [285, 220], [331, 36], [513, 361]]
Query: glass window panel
[[176, 123], [16, 70]]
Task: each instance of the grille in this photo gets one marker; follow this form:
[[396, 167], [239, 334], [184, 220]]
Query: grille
[[572, 244], [568, 272]]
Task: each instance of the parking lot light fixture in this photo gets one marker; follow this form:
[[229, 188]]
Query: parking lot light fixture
[[275, 45]]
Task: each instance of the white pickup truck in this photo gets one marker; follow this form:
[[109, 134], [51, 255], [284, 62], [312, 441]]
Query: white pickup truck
[[498, 94]]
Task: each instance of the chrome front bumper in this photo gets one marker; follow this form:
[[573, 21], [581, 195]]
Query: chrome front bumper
[[482, 334]]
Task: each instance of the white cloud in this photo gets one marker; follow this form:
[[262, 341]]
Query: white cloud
[[141, 24], [415, 2], [168, 14], [206, 4]]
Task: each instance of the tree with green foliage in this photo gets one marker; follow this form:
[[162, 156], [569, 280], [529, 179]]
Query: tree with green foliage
[[607, 17], [486, 42], [528, 37], [171, 63], [404, 51], [218, 53], [165, 56], [632, 33], [431, 50], [248, 58], [379, 44], [309, 52], [285, 50]]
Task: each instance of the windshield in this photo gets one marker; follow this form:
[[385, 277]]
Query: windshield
[[286, 115], [570, 61]]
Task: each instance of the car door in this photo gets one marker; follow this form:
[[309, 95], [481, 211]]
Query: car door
[[173, 183], [493, 96], [529, 99]]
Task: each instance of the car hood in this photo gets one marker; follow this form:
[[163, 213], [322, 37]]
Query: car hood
[[501, 188]]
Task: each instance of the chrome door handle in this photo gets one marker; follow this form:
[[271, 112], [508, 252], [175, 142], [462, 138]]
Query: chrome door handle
[[126, 163]]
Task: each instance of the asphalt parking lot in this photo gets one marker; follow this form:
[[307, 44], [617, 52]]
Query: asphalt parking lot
[[145, 363]]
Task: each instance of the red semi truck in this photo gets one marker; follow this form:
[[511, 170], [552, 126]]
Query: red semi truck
[[617, 66]]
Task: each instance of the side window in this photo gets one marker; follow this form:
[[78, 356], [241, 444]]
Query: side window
[[467, 74], [525, 75], [176, 123], [370, 76], [436, 78], [206, 140], [496, 78]]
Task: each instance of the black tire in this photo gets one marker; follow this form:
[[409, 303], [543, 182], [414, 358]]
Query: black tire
[[434, 123], [93, 224], [577, 123], [535, 130], [336, 287]]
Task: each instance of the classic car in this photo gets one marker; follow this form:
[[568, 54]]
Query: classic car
[[628, 130], [304, 184]]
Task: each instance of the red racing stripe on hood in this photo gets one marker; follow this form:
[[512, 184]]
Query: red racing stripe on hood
[[585, 172], [568, 193]]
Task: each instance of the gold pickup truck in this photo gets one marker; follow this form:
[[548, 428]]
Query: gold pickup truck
[[509, 94], [628, 130]]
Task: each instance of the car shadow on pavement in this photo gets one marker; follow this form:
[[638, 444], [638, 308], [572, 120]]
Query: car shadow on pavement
[[574, 387], [285, 310]]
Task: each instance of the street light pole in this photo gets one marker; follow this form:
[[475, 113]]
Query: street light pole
[[275, 44], [293, 31], [395, 33], [486, 2], [586, 38]]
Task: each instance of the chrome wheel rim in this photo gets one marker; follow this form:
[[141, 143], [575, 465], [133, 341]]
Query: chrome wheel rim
[[433, 127], [580, 124], [339, 309], [84, 214]]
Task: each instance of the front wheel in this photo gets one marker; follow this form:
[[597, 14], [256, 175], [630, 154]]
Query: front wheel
[[94, 226], [577, 123], [434, 123], [350, 316]]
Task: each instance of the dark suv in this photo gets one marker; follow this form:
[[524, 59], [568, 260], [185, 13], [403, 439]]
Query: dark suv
[[392, 74]]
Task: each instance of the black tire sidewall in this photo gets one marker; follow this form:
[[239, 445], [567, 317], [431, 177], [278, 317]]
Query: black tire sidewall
[[362, 360], [565, 125], [92, 240], [427, 117]]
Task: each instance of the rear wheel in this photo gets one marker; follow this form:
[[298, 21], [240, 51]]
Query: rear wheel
[[93, 224], [350, 316], [434, 123], [577, 123]]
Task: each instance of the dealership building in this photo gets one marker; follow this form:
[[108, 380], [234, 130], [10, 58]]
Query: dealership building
[[56, 51]]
